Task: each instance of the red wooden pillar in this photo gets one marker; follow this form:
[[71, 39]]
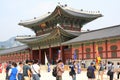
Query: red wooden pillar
[[39, 54], [30, 53], [61, 49], [106, 47], [14, 57], [82, 51], [24, 56], [50, 53], [20, 56], [71, 26], [62, 25]]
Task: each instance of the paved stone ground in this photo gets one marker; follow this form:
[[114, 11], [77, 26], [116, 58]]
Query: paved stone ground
[[48, 76]]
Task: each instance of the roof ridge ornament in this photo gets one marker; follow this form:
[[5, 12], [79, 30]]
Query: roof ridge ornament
[[58, 25], [59, 4]]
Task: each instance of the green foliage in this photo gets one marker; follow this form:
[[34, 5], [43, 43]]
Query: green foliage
[[1, 48]]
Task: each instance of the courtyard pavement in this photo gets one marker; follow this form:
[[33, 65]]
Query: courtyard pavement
[[48, 76]]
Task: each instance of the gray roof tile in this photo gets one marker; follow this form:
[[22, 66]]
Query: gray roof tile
[[14, 49], [97, 34]]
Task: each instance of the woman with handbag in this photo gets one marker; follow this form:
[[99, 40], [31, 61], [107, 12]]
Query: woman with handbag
[[35, 68]]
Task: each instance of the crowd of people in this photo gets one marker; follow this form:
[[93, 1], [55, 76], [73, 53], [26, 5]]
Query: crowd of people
[[30, 70], [101, 68]]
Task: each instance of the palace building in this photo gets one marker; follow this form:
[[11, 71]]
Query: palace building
[[59, 34]]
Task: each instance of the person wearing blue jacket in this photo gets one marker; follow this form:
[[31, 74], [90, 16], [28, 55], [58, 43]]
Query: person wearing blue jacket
[[13, 72]]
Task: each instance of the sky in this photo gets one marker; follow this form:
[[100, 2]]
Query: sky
[[12, 11]]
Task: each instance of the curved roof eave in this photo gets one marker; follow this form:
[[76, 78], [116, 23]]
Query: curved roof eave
[[67, 10], [33, 21], [13, 49], [81, 14]]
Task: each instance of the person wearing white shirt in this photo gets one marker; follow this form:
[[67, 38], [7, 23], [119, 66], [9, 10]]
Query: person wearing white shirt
[[20, 71], [35, 68]]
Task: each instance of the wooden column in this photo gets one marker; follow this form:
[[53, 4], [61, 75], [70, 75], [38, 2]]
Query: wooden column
[[30, 53], [71, 26], [24, 56], [82, 51], [62, 25], [61, 52], [39, 54], [106, 47], [50, 53]]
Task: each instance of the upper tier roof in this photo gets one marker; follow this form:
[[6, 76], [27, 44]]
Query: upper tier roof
[[65, 12], [104, 33]]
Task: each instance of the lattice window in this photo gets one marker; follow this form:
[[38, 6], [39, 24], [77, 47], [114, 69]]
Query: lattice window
[[113, 47], [100, 49], [88, 56], [88, 50], [101, 55], [113, 54]]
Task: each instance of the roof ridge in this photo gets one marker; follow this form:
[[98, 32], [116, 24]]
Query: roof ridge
[[102, 29], [81, 11]]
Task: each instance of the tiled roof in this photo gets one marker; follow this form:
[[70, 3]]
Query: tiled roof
[[77, 13], [108, 32], [14, 49]]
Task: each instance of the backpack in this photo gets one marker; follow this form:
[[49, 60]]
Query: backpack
[[8, 68], [54, 72], [89, 73]]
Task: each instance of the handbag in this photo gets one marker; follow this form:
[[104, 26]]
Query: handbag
[[109, 73], [36, 72]]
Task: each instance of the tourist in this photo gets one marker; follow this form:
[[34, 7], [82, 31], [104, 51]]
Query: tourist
[[110, 72], [20, 71], [101, 70], [48, 64], [13, 72], [118, 72], [91, 72], [83, 63], [73, 70], [78, 67], [27, 70], [35, 68], [60, 70], [8, 67], [1, 67]]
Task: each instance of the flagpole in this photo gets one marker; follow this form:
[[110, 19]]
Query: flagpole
[[46, 60], [97, 60]]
